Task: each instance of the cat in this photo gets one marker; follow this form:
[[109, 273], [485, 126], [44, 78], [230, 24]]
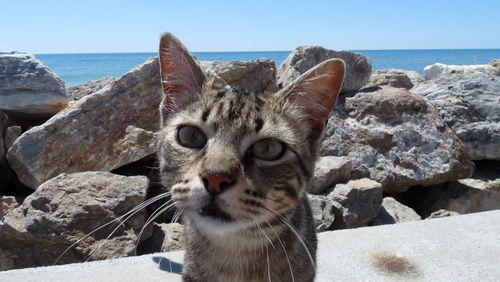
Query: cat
[[237, 166]]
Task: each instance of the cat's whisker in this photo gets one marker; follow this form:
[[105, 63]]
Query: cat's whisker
[[284, 250], [131, 212], [268, 265], [167, 205], [295, 232], [111, 234], [177, 215], [267, 237]]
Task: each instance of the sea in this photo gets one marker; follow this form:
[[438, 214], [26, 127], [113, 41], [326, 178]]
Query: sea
[[80, 68]]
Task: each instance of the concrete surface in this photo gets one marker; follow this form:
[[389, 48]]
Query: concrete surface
[[460, 248]]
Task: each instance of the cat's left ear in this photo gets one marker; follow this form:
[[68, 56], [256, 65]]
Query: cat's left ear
[[181, 77], [315, 93]]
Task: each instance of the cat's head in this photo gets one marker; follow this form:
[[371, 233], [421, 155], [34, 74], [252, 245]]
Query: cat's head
[[233, 160]]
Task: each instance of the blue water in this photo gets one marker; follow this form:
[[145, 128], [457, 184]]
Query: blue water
[[79, 68]]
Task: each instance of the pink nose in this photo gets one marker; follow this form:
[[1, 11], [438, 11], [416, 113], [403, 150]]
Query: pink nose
[[216, 182]]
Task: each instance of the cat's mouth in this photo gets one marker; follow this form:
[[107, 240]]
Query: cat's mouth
[[213, 211]]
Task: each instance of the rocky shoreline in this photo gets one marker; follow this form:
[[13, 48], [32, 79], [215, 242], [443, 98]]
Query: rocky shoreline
[[398, 147]]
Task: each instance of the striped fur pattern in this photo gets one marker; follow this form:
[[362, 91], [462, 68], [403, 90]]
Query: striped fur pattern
[[267, 231]]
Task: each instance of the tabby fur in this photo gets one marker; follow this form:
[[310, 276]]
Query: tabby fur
[[267, 231]]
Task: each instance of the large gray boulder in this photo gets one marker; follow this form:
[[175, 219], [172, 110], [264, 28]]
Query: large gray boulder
[[358, 66], [395, 138], [255, 76], [100, 132], [470, 104], [81, 90], [28, 88], [65, 209]]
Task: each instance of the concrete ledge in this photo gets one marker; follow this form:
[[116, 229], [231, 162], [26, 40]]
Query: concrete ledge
[[460, 248]]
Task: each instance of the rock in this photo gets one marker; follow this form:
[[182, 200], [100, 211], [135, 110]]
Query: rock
[[478, 193], [329, 171], [395, 138], [391, 77], [436, 70], [100, 132], [469, 103], [358, 67], [81, 90], [442, 213], [466, 196], [4, 120], [166, 237], [393, 211], [323, 210], [414, 76], [5, 172], [496, 64], [28, 88], [360, 201], [11, 134], [255, 76], [66, 208], [7, 203]]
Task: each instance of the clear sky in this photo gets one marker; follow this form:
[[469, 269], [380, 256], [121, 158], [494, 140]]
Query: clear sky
[[72, 26]]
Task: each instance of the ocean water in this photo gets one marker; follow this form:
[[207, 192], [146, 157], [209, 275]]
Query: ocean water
[[79, 68]]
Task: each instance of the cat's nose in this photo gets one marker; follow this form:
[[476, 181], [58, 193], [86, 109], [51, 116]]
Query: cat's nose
[[217, 182]]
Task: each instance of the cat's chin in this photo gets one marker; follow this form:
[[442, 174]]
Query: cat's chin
[[216, 225]]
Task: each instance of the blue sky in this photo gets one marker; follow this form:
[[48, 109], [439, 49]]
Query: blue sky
[[134, 26]]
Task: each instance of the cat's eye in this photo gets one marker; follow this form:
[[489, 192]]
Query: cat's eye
[[268, 149], [191, 137]]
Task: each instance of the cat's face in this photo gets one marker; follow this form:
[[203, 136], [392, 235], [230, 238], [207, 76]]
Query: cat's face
[[234, 160]]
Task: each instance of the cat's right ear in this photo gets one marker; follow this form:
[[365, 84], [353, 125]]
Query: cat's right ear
[[181, 77]]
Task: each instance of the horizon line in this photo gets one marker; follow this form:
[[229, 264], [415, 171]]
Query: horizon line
[[270, 51]]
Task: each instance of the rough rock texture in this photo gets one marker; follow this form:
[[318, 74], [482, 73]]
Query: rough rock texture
[[470, 104], [166, 237], [329, 171], [390, 77], [360, 202], [255, 76], [66, 208], [395, 138], [101, 132], [81, 90], [11, 134], [393, 211], [495, 63], [358, 67], [7, 203], [437, 70], [28, 87], [323, 210]]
